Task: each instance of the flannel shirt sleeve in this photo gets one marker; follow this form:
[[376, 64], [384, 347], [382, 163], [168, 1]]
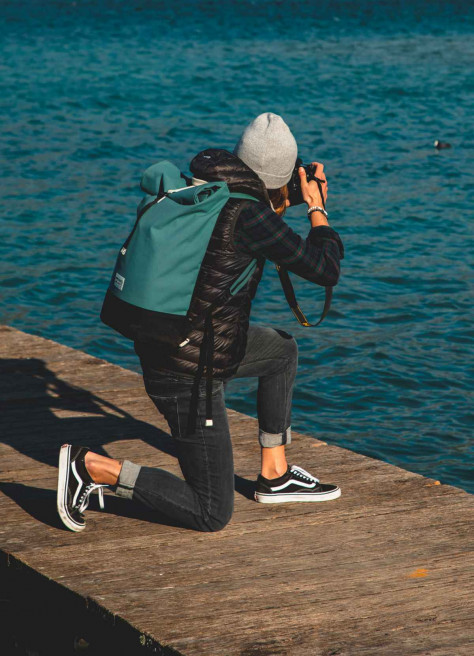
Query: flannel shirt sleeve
[[261, 232]]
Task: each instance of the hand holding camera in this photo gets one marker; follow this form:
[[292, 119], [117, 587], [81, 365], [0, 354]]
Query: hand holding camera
[[310, 189], [315, 194], [304, 188]]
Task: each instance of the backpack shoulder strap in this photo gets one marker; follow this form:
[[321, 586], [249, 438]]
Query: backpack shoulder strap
[[236, 194]]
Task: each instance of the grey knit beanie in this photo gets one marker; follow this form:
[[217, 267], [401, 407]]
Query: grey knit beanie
[[268, 148]]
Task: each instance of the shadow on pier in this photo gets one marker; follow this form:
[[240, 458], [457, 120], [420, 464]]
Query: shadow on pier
[[39, 412]]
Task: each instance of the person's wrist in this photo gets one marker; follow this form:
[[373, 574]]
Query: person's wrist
[[317, 216], [312, 202], [316, 219]]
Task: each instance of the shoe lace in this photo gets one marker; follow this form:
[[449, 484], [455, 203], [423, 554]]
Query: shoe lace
[[303, 474], [83, 501]]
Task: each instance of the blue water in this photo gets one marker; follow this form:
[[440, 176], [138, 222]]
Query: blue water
[[91, 93]]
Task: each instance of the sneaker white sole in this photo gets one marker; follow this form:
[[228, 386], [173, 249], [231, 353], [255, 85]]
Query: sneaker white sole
[[296, 497], [63, 480]]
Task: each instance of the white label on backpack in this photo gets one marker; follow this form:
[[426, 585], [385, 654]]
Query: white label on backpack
[[119, 281]]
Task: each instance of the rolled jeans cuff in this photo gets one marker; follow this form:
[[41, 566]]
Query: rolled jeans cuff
[[127, 479], [269, 440]]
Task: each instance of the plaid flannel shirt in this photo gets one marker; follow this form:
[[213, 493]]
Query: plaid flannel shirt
[[261, 232]]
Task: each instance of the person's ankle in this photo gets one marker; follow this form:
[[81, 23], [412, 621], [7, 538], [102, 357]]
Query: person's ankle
[[93, 466], [102, 470], [275, 471]]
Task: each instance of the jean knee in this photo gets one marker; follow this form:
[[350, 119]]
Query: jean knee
[[290, 346], [213, 525], [294, 349], [218, 521]]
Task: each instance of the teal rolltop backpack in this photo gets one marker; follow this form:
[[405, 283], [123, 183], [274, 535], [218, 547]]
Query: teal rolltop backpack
[[157, 267]]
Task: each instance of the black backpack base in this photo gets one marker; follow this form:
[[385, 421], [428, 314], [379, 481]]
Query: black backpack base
[[142, 325]]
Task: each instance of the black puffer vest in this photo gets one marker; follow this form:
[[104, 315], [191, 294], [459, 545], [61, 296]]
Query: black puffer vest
[[221, 267]]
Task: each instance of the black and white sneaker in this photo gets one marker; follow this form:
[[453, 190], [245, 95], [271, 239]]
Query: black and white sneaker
[[75, 486], [295, 485]]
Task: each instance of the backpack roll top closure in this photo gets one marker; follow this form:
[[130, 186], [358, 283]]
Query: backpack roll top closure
[[161, 177]]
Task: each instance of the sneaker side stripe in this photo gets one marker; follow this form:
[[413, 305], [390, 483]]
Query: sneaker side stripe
[[292, 481], [80, 484]]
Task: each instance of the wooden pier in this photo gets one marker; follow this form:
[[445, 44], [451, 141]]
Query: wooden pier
[[386, 569]]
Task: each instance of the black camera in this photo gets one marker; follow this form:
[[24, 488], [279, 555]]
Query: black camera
[[294, 185]]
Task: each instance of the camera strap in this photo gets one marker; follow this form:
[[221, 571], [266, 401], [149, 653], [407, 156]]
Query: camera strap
[[293, 303], [290, 292]]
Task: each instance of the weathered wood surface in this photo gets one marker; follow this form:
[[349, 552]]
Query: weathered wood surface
[[386, 569]]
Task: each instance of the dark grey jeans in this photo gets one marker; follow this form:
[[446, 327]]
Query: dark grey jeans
[[204, 500]]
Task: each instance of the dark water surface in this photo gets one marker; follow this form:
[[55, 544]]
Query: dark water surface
[[91, 93]]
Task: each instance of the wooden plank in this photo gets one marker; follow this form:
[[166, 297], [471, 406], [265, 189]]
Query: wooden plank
[[386, 569]]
